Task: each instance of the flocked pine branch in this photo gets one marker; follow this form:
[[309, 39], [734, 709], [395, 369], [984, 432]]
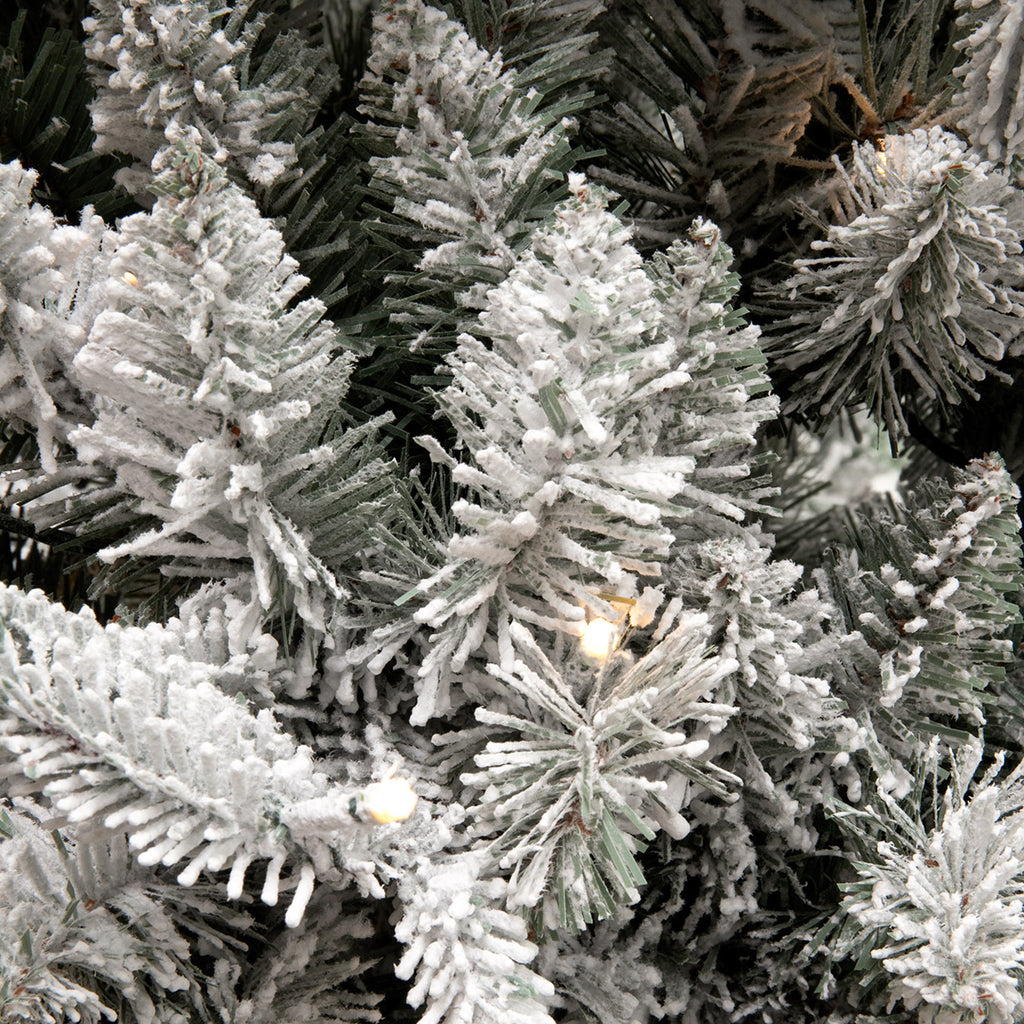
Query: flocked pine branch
[[118, 728], [989, 106], [917, 295], [780, 638], [597, 761], [466, 955], [758, 612], [471, 163], [45, 271], [217, 446], [603, 973], [937, 905], [928, 595], [719, 405], [588, 431], [549, 42], [543, 410], [160, 68], [86, 935]]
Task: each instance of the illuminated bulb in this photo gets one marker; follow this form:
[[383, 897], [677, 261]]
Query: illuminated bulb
[[389, 800], [599, 638], [883, 160], [129, 278]]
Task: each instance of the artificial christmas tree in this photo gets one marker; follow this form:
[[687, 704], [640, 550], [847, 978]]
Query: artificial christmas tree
[[452, 602]]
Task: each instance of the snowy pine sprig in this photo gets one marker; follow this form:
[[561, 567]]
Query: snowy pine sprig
[[989, 106], [939, 901], [722, 397], [470, 163], [218, 446], [544, 401], [787, 722], [601, 401], [161, 68], [775, 631], [118, 728], [468, 956], [928, 595], [45, 270], [597, 761], [82, 927], [919, 294]]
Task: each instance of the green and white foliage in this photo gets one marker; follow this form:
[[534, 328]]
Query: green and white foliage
[[312, 973], [989, 107], [777, 635], [217, 445], [597, 761], [939, 899], [564, 497], [722, 396], [45, 270], [160, 68], [549, 43], [470, 162], [614, 400], [916, 295], [468, 956], [85, 935], [119, 729], [604, 973], [928, 593], [758, 613]]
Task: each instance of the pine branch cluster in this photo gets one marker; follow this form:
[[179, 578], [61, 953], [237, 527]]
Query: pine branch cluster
[[472, 610]]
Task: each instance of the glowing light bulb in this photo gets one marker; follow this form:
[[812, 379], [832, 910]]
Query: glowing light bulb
[[389, 800], [883, 159], [599, 638], [129, 278]]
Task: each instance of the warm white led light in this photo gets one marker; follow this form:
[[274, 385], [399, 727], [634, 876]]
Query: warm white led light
[[883, 160], [599, 638], [389, 800]]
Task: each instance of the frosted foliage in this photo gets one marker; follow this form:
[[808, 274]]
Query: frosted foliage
[[593, 767], [161, 67], [931, 616], [116, 726], [63, 940], [953, 910], [312, 973], [214, 393], [605, 970], [584, 425], [919, 291], [470, 146], [773, 631], [990, 105], [722, 396], [44, 318], [467, 954]]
